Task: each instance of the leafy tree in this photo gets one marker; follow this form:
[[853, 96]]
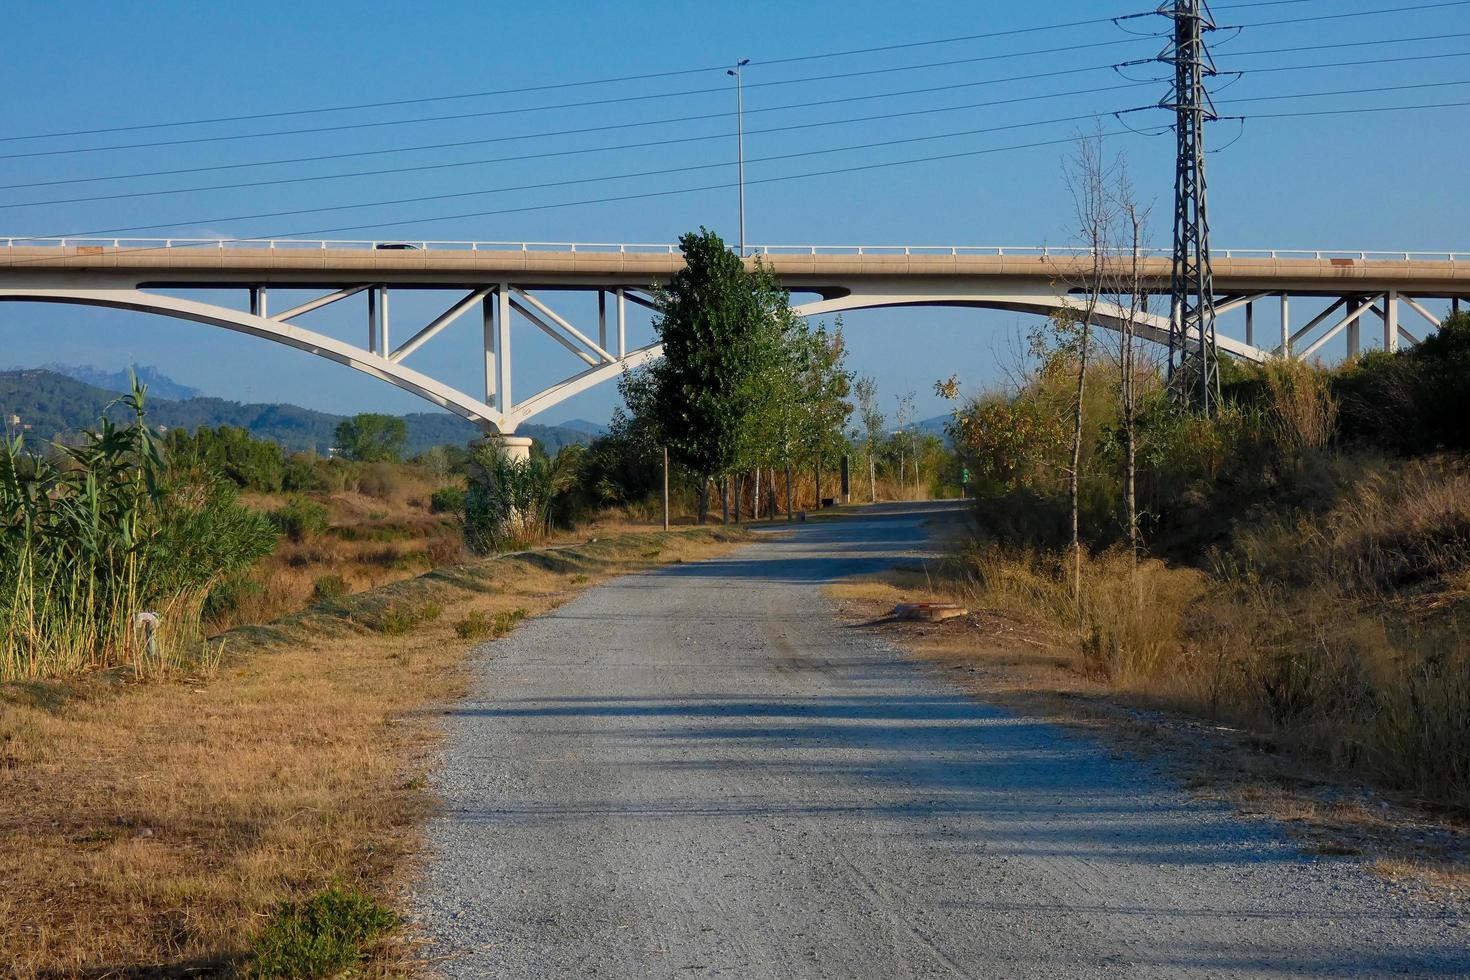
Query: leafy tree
[[716, 321], [253, 464], [871, 417], [370, 437]]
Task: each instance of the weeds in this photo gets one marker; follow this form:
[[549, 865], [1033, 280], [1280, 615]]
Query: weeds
[[399, 618], [320, 937], [94, 536], [477, 625], [328, 587]]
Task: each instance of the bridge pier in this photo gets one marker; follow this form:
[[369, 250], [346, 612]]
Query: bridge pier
[[516, 448]]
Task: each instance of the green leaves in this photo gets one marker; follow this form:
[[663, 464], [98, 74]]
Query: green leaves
[[743, 382], [370, 437]]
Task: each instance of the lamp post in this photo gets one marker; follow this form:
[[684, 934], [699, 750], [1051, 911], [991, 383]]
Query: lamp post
[[740, 139]]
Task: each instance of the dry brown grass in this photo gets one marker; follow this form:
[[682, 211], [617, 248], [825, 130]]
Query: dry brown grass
[[1288, 703], [151, 825]]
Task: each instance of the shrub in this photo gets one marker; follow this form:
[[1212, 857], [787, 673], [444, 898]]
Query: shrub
[[99, 532], [321, 937], [477, 625], [447, 500], [508, 502], [328, 587], [227, 594], [300, 519], [382, 480], [305, 473], [398, 619], [252, 464]]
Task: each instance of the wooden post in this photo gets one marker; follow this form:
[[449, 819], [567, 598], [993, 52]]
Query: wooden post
[[666, 488]]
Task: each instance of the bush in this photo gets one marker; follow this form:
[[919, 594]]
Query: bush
[[300, 519], [94, 534], [321, 937], [385, 481], [252, 464], [1413, 401], [508, 502], [328, 587], [447, 500], [397, 620], [227, 595], [477, 625]]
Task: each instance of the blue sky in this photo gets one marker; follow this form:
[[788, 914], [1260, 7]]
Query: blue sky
[[1390, 181]]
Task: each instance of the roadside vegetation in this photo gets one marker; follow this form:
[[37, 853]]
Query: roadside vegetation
[[216, 654], [225, 821], [1298, 564]]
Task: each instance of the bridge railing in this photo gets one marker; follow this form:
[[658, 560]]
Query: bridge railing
[[644, 248]]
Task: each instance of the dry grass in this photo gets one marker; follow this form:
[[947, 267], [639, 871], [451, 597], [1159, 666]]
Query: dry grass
[[1028, 662], [156, 824]]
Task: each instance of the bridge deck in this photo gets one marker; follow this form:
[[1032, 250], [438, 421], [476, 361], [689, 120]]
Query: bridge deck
[[224, 265]]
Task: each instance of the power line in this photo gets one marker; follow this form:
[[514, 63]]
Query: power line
[[1376, 42], [504, 139], [316, 130], [1360, 13], [709, 166], [581, 180], [580, 151], [679, 94], [693, 139], [549, 87], [858, 168], [1343, 91], [704, 116]]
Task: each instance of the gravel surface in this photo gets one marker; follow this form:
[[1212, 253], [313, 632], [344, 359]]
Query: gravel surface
[[699, 772]]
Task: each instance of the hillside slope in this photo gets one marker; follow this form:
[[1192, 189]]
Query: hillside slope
[[52, 405]]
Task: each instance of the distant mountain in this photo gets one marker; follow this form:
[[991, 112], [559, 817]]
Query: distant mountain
[[159, 384], [51, 404], [593, 429], [935, 425]]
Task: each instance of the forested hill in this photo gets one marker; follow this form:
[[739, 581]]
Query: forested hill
[[55, 405]]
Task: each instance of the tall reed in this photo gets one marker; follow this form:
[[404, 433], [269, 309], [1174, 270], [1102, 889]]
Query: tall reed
[[95, 534]]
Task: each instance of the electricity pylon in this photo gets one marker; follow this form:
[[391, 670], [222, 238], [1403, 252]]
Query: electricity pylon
[[1194, 361]]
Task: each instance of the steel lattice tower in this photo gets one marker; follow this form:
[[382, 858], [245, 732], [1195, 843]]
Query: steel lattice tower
[[1194, 363]]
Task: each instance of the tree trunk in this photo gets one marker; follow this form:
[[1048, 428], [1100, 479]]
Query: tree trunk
[[704, 500], [737, 481], [817, 503], [872, 477], [790, 494], [724, 500], [1076, 474], [755, 499]]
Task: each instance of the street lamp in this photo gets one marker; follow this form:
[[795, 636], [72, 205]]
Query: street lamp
[[740, 140]]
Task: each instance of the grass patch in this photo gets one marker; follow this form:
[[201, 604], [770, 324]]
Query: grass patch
[[320, 937], [149, 825], [399, 619], [477, 625]]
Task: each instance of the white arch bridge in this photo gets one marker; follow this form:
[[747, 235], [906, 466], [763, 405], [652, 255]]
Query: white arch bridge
[[506, 281]]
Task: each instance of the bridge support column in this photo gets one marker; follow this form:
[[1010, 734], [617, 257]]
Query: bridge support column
[[515, 448], [1391, 320], [1354, 334], [1250, 324], [1285, 325]]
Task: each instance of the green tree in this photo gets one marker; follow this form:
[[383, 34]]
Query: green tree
[[717, 320], [370, 437]]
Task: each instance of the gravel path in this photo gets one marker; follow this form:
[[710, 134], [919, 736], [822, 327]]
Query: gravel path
[[699, 772]]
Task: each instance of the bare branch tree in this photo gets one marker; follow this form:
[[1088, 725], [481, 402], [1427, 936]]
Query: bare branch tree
[[1095, 211]]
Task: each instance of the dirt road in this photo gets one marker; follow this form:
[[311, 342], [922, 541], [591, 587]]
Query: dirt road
[[700, 772]]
